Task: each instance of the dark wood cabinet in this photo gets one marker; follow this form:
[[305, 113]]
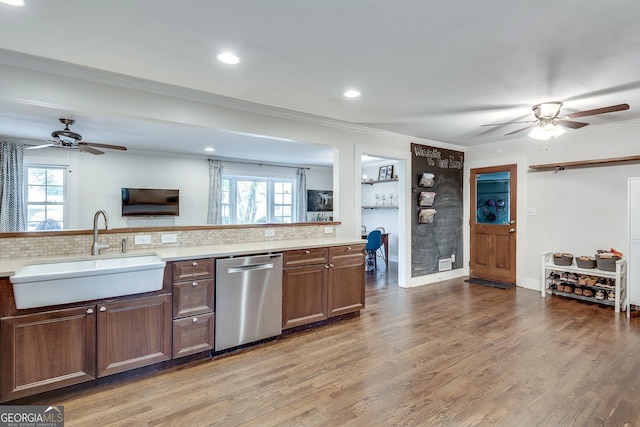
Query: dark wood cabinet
[[193, 306], [133, 333], [319, 283], [346, 280], [304, 295], [46, 351]]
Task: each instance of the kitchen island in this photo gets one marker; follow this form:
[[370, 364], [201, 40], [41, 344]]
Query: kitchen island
[[88, 343]]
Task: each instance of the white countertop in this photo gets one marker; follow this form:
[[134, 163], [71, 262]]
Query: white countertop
[[8, 267]]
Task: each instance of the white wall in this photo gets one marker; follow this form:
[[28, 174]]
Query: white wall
[[577, 210]]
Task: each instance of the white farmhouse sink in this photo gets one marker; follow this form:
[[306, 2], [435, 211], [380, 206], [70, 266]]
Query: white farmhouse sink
[[52, 283]]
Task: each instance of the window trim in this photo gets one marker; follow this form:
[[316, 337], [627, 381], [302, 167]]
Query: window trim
[[270, 197], [65, 190]]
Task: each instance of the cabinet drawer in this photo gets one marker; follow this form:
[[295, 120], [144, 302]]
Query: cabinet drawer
[[194, 297], [346, 251], [193, 269], [305, 257], [193, 334]]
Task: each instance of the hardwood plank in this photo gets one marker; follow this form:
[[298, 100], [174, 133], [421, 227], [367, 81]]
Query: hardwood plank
[[446, 354]]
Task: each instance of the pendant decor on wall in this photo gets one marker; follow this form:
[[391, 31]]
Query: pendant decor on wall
[[437, 206]]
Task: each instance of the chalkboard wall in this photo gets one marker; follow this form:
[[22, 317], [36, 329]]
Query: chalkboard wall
[[436, 225]]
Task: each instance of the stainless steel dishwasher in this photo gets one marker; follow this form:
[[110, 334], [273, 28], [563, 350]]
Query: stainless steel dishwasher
[[248, 300]]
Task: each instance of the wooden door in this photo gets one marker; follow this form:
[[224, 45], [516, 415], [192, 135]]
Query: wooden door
[[46, 351], [133, 333], [493, 223]]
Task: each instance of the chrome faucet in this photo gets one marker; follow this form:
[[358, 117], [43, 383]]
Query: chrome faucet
[[96, 247]]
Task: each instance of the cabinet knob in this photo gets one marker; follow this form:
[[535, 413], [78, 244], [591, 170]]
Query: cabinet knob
[[348, 248], [331, 265], [194, 284], [194, 320], [90, 311], [103, 308], [326, 266], [194, 263]]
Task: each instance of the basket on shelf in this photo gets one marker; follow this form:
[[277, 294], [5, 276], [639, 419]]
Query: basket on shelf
[[562, 259], [606, 262], [586, 262]]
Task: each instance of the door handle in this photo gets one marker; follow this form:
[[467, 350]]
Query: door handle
[[512, 222], [512, 230]]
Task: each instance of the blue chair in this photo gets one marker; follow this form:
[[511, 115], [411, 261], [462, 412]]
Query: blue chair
[[374, 241]]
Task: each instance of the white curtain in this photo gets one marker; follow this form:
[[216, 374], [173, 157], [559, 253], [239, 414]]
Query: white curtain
[[11, 187], [214, 216], [301, 199]]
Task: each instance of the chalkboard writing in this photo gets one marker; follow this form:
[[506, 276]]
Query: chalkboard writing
[[438, 237]]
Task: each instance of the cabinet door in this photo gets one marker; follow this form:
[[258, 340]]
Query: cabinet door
[[346, 286], [133, 333], [46, 351], [304, 295], [194, 297], [193, 334]]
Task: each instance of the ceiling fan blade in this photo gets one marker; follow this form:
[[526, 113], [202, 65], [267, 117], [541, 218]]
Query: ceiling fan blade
[[603, 110], [572, 125], [508, 123], [112, 147], [520, 130], [37, 147], [87, 149]]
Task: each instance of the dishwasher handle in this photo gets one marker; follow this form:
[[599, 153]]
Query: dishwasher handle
[[250, 267]]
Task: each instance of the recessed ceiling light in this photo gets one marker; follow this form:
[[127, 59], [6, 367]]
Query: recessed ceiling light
[[209, 149], [352, 93], [13, 2], [228, 58]]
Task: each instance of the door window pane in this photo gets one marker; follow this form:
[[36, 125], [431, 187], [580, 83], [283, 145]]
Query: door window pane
[[492, 198]]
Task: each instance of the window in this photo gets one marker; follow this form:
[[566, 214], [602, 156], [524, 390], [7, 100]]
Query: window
[[252, 200], [45, 197]]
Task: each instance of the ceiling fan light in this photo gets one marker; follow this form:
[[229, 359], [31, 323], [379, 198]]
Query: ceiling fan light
[[546, 131], [547, 110]]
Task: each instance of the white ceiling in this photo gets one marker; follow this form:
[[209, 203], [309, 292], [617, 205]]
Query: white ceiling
[[434, 70]]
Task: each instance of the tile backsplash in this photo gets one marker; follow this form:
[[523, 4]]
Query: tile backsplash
[[80, 244]]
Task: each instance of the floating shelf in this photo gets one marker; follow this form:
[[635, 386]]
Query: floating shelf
[[378, 182], [379, 207], [585, 163]]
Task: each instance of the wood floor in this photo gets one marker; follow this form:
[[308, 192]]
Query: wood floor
[[447, 354]]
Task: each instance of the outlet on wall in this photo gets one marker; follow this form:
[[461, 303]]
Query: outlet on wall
[[328, 230], [143, 240], [169, 238]]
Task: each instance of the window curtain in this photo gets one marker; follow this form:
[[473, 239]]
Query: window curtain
[[12, 206], [214, 216], [301, 199]]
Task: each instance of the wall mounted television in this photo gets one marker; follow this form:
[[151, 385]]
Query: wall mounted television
[[150, 202]]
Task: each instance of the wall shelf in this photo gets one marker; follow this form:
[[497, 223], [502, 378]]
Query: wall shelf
[[379, 207], [585, 163], [378, 182]]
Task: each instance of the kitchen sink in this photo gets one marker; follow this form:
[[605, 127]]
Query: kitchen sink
[[63, 282]]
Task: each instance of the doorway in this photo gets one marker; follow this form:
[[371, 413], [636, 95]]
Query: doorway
[[492, 221], [380, 209]]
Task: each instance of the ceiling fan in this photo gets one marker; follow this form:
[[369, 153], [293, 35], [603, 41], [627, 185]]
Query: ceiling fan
[[549, 124], [68, 139]]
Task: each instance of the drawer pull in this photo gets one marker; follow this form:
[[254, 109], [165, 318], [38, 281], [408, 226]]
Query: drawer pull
[[194, 284], [326, 266], [348, 248], [90, 311], [194, 263], [331, 265], [194, 320], [307, 251], [103, 308]]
